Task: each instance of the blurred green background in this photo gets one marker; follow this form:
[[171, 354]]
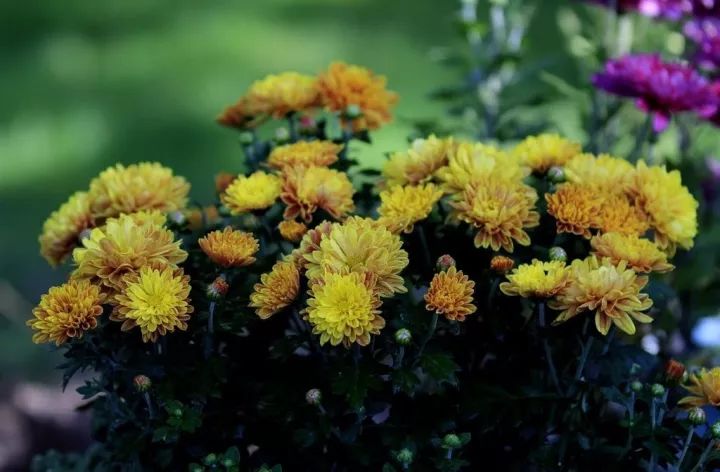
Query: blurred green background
[[85, 84]]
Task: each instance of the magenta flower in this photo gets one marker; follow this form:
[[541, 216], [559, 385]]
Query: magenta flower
[[705, 33], [659, 88], [705, 8], [670, 9]]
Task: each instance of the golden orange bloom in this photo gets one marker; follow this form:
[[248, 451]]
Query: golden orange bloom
[[545, 151], [305, 189], [469, 162], [230, 248], [575, 208], [276, 290], [309, 243], [619, 215], [62, 229], [451, 294], [640, 254], [704, 389], [500, 210], [501, 264], [137, 187], [292, 230], [67, 311], [305, 154], [605, 171], [419, 163], [257, 191], [536, 280], [343, 85], [402, 207], [236, 116]]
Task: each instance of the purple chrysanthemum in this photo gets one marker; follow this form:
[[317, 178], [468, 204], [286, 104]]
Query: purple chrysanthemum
[[705, 8], [705, 33], [670, 9], [660, 88]]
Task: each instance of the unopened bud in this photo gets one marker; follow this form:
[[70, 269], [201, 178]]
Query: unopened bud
[[210, 459], [217, 289], [246, 138], [501, 264], [313, 396], [715, 430], [403, 336], [282, 135], [556, 175], [657, 390], [227, 463], [353, 111], [223, 181], [142, 383], [674, 372], [556, 253], [451, 441], [308, 125], [697, 416], [444, 262], [636, 386], [404, 456]]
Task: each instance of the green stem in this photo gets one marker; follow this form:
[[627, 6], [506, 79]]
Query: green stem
[[292, 128], [148, 403], [425, 247], [587, 346], [493, 291], [631, 421], [399, 358], [688, 439], [641, 138], [703, 456], [546, 348], [431, 331]]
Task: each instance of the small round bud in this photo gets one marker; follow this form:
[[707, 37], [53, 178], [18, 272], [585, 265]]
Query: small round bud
[[282, 135], [657, 390], [353, 111], [195, 468], [210, 459], [444, 262], [403, 336], [313, 396], [217, 289], [451, 441], [556, 175], [636, 386], [228, 463], [501, 264], [715, 430], [177, 412], [223, 181], [404, 456], [674, 372], [556, 253], [142, 383], [246, 138], [697, 416]]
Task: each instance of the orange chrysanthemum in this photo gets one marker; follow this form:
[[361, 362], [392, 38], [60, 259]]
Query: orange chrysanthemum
[[501, 264], [229, 247], [403, 206], [304, 154], [276, 290], [451, 294], [419, 163], [305, 189], [619, 215], [575, 208], [640, 254], [292, 230]]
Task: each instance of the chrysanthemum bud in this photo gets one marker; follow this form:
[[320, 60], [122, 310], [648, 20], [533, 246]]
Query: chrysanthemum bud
[[501, 264], [282, 135], [674, 372], [636, 386], [217, 289], [444, 262], [403, 336], [223, 181], [404, 456], [697, 416], [657, 390], [308, 125], [556, 253], [451, 441], [210, 459], [313, 396], [195, 468], [246, 137], [353, 111], [556, 175], [142, 383], [715, 430]]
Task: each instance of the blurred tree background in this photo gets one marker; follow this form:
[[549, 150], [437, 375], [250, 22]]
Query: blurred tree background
[[85, 84]]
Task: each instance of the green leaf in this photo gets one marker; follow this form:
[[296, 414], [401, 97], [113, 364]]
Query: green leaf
[[440, 366]]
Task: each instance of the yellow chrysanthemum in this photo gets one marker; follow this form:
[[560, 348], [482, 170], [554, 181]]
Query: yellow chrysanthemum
[[257, 191], [611, 291], [670, 207], [451, 294], [343, 308], [305, 189], [67, 312], [279, 94], [704, 389], [124, 246], [309, 243], [230, 248], [619, 215], [536, 280], [304, 154], [575, 208], [360, 245], [62, 229], [137, 187], [343, 85], [236, 116], [606, 171], [276, 290], [292, 230], [476, 161], [544, 151], [500, 210], [156, 301], [402, 207], [419, 163], [640, 254]]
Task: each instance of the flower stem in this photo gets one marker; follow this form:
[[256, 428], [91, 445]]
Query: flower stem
[[642, 136], [546, 348], [210, 330], [148, 403], [493, 291], [703, 456], [688, 439], [431, 331], [425, 247], [587, 346], [399, 358], [631, 421]]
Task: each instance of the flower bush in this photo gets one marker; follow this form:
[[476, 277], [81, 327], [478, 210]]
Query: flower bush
[[471, 304]]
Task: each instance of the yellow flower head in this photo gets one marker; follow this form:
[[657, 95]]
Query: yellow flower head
[[304, 154], [611, 291], [137, 187], [544, 151], [276, 290], [536, 280], [278, 95], [500, 210], [66, 312], [62, 229], [230, 248], [619, 215], [156, 301], [305, 189], [640, 254], [419, 163], [670, 207], [309, 243], [451, 294], [124, 246], [704, 389], [469, 162], [292, 230], [344, 309], [343, 85], [257, 191], [575, 208], [605, 171], [360, 245], [236, 115], [402, 207]]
